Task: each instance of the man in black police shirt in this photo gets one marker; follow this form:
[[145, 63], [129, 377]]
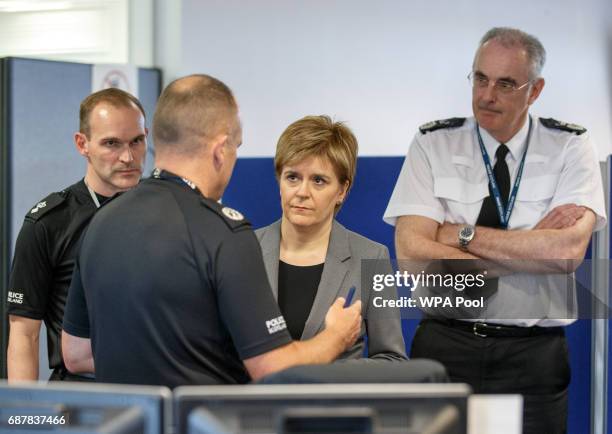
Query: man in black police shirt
[[172, 289], [112, 138]]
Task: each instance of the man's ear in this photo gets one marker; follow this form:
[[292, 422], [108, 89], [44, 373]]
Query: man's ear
[[536, 89], [82, 144], [218, 150]]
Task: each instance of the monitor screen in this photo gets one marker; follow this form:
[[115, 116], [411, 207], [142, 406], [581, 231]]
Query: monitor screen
[[323, 408], [84, 408]]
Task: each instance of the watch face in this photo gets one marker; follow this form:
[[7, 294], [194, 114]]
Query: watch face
[[466, 232]]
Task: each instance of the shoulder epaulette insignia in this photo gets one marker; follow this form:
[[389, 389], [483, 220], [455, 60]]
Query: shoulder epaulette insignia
[[232, 213], [440, 124], [234, 219], [563, 126], [44, 206]]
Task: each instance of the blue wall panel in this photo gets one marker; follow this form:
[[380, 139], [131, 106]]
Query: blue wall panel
[[579, 342], [254, 192]]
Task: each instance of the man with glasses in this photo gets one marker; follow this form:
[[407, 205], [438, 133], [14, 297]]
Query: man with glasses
[[503, 186]]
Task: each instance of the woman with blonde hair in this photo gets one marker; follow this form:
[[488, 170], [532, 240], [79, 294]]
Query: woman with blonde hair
[[310, 258]]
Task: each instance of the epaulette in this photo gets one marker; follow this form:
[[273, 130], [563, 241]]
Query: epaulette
[[442, 123], [563, 126], [44, 206], [232, 218]]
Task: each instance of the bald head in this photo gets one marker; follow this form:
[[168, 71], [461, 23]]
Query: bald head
[[190, 112]]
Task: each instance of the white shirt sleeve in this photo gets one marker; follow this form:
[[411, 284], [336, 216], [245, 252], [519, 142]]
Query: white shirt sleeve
[[414, 190], [580, 180]]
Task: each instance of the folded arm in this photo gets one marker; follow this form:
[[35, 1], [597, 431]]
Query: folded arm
[[558, 249], [415, 239]]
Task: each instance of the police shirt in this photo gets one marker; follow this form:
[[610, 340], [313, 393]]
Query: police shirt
[[444, 178], [175, 289], [44, 260]]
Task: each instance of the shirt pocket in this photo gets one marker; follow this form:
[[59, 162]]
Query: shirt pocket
[[532, 201], [461, 199]]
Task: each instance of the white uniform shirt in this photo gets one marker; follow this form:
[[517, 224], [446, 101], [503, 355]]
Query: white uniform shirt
[[444, 178]]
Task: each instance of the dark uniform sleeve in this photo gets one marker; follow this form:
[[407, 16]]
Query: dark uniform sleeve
[[76, 316], [246, 302], [31, 272]]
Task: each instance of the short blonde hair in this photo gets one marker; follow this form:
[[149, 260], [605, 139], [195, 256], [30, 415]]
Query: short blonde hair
[[319, 136]]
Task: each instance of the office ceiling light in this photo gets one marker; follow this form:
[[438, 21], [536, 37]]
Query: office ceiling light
[[11, 6]]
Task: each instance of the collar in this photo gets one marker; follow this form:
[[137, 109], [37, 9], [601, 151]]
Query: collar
[[164, 174], [516, 144], [88, 194], [338, 247], [339, 242]]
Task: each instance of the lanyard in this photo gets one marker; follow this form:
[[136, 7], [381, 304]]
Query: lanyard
[[93, 196], [504, 215]]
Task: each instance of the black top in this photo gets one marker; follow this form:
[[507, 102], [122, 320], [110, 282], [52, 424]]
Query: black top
[[44, 259], [297, 288], [175, 289]]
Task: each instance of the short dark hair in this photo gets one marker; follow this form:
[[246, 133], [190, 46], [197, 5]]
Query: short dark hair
[[112, 96], [191, 108]]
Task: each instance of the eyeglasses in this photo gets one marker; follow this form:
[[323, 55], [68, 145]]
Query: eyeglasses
[[480, 81]]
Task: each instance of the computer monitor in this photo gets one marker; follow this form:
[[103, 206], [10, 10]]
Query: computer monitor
[[322, 408], [63, 407]]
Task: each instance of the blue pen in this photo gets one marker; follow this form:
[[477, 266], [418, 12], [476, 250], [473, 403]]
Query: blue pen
[[349, 297]]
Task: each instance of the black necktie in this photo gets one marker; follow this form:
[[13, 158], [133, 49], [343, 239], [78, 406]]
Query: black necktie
[[488, 213]]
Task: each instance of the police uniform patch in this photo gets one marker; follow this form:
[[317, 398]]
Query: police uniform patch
[[563, 126], [232, 213], [39, 205], [234, 219], [44, 206], [440, 124]]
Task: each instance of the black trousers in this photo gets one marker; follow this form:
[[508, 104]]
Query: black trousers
[[536, 367], [62, 374]]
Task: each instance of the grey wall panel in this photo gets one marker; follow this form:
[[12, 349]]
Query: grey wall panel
[[44, 99], [44, 104], [149, 88]]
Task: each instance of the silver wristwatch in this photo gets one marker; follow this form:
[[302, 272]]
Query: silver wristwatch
[[465, 235]]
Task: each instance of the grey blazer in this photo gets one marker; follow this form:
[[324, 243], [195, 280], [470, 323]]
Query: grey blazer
[[342, 270]]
